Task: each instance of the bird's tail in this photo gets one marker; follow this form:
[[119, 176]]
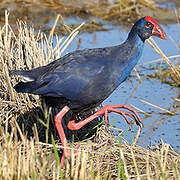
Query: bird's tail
[[27, 85], [27, 77], [23, 87]]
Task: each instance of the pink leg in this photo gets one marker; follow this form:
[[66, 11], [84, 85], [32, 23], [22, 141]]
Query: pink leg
[[72, 125], [58, 123]]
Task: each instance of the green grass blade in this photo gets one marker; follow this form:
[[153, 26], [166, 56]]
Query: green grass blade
[[57, 158]]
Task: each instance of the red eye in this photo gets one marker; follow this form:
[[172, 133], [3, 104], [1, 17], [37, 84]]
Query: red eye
[[148, 25]]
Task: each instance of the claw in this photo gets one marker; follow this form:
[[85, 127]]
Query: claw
[[135, 117]]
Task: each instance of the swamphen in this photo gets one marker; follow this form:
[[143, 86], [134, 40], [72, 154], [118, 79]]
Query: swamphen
[[83, 79]]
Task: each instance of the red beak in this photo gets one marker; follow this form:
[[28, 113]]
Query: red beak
[[157, 30]]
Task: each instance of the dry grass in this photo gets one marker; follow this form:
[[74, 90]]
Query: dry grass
[[31, 159], [23, 158], [174, 72], [25, 50]]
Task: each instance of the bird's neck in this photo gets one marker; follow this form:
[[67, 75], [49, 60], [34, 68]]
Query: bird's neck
[[135, 44], [133, 49], [133, 35]]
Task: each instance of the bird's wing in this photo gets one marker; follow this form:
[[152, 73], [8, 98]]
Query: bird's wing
[[67, 78]]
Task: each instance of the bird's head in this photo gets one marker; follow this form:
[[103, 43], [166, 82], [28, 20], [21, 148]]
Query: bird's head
[[146, 27]]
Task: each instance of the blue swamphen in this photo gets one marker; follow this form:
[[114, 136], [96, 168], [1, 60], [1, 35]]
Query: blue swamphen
[[85, 78]]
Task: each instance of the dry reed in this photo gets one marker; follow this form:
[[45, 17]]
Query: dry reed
[[175, 70]]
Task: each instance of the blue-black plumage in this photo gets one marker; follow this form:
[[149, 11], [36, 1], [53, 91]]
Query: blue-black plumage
[[85, 78]]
